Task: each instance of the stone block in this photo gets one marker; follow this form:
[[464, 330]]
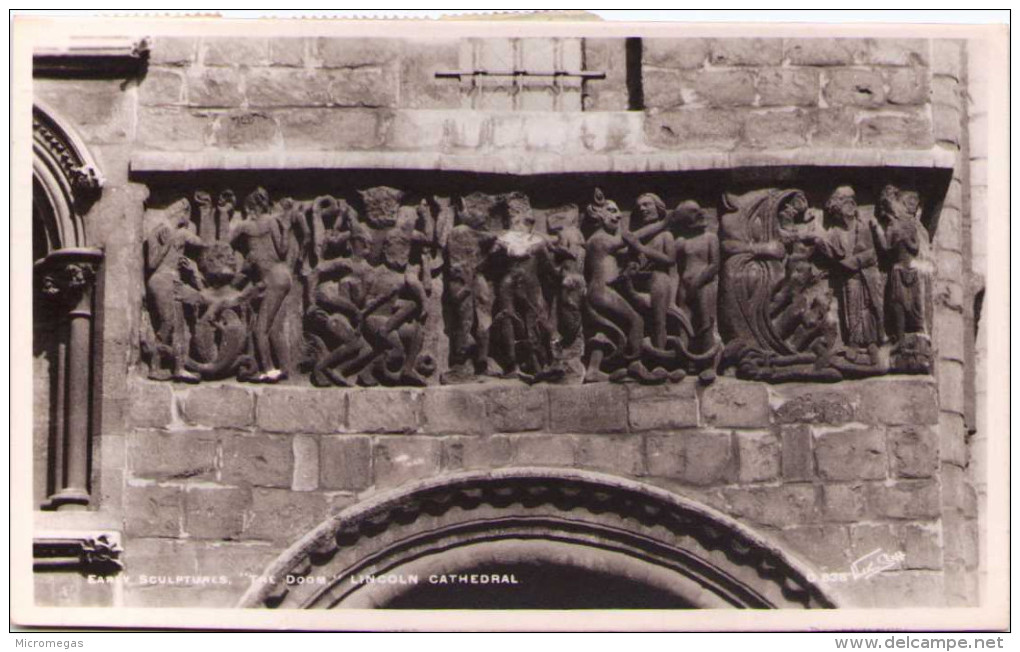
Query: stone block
[[845, 503], [364, 87], [909, 130], [798, 458], [172, 51], [476, 452], [908, 85], [694, 128], [822, 51], [617, 454], [950, 234], [745, 51], [99, 108], [421, 59], [544, 450], [218, 406], [153, 511], [161, 86], [786, 129], [173, 456], [214, 87], [454, 410], [960, 537], [288, 52], [922, 546], [835, 127], [947, 125], [914, 452], [306, 463], [284, 516], [398, 460], [305, 410], [384, 410], [826, 546], [598, 407], [854, 87], [151, 404], [853, 454], [781, 506], [718, 88], [897, 51], [758, 456], [517, 409], [662, 407], [329, 129], [898, 402], [699, 458], [172, 128], [280, 87], [355, 52], [811, 404], [678, 53], [914, 499], [235, 51], [245, 130], [237, 561], [914, 588], [661, 88], [737, 404], [952, 444], [258, 460], [788, 87], [947, 57], [215, 512], [160, 557], [345, 462], [866, 538]]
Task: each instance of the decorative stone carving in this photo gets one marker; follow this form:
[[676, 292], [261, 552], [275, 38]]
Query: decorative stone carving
[[93, 553], [388, 287]]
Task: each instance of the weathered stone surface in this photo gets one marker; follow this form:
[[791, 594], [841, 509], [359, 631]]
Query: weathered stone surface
[[827, 546], [304, 410], [172, 51], [218, 406], [681, 53], [153, 511], [922, 546], [215, 512], [807, 404], [959, 535], [236, 560], [453, 410], [945, 90], [288, 51], [745, 51], [306, 463], [617, 454], [868, 537], [851, 454], [905, 499], [355, 52], [345, 462], [245, 130], [952, 439], [419, 62], [364, 87], [284, 516], [843, 502], [897, 51], [718, 87], [235, 51], [914, 452], [517, 409], [279, 87], [402, 459], [151, 404], [384, 410], [735, 404], [946, 57], [916, 588], [214, 87], [787, 87], [258, 460], [476, 452], [662, 407], [798, 459], [835, 127], [946, 124], [172, 456], [661, 88], [544, 450], [758, 456], [898, 402], [908, 85], [588, 408], [897, 130], [822, 51], [331, 129], [854, 87], [166, 557], [786, 129], [778, 506], [161, 86], [699, 458], [694, 128], [173, 128]]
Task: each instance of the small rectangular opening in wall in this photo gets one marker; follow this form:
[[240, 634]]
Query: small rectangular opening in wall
[[635, 90]]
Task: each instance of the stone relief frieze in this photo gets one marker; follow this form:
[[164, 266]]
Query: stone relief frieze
[[385, 287]]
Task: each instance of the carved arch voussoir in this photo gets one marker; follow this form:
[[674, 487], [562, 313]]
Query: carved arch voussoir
[[699, 554]]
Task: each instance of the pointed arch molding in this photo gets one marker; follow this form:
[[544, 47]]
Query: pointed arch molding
[[454, 523]]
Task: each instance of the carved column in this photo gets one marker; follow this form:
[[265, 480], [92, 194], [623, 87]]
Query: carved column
[[68, 279]]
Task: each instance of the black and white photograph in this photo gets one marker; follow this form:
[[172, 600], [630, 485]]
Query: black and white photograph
[[497, 319]]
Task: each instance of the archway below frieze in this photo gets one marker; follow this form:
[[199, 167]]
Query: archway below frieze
[[537, 538]]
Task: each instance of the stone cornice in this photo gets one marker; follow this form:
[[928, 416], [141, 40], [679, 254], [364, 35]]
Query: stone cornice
[[89, 552], [92, 57]]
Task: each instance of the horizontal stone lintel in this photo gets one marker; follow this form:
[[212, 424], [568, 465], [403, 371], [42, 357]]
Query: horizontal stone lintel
[[531, 163]]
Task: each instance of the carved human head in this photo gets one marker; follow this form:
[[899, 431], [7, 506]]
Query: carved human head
[[179, 213], [519, 215], [256, 203], [397, 248], [604, 211], [226, 200], [794, 210], [651, 207], [897, 204], [689, 214], [218, 264], [842, 205]]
